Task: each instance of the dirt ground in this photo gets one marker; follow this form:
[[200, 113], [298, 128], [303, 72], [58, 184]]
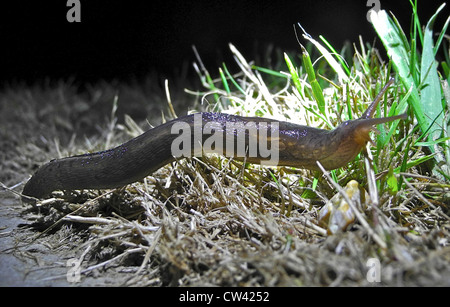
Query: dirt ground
[[31, 118], [223, 246]]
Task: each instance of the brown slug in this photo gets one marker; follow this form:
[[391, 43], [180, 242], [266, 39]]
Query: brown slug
[[290, 145]]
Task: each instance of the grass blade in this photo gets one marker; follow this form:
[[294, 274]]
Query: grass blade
[[293, 73], [329, 58], [429, 80], [316, 89]]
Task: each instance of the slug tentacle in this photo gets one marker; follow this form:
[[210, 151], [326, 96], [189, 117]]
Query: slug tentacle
[[382, 120], [373, 106]]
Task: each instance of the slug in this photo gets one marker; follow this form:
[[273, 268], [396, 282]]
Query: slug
[[290, 145]]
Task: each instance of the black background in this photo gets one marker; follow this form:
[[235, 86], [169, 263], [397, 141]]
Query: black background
[[128, 39]]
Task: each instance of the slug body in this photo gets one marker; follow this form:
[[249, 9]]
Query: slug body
[[293, 145]]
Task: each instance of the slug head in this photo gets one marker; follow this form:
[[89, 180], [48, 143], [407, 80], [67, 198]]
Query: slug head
[[359, 130]]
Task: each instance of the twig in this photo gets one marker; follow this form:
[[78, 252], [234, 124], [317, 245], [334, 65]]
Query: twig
[[88, 220], [371, 184], [125, 253]]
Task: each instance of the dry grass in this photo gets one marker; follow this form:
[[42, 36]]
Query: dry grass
[[214, 221]]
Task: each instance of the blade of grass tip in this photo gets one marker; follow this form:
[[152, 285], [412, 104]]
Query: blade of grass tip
[[207, 76], [442, 34], [224, 81], [315, 183], [316, 89], [362, 56], [334, 176], [235, 83], [395, 26], [416, 26], [337, 55], [169, 99], [269, 71], [242, 62], [414, 56], [256, 78], [329, 58], [294, 74]]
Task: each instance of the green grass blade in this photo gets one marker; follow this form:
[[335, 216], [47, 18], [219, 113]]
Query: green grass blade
[[225, 69], [339, 58], [224, 81], [294, 74], [443, 31], [397, 48], [316, 89], [382, 140], [416, 26], [269, 71], [414, 163], [429, 79], [432, 143], [329, 58]]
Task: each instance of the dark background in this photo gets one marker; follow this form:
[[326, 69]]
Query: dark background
[[128, 39]]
